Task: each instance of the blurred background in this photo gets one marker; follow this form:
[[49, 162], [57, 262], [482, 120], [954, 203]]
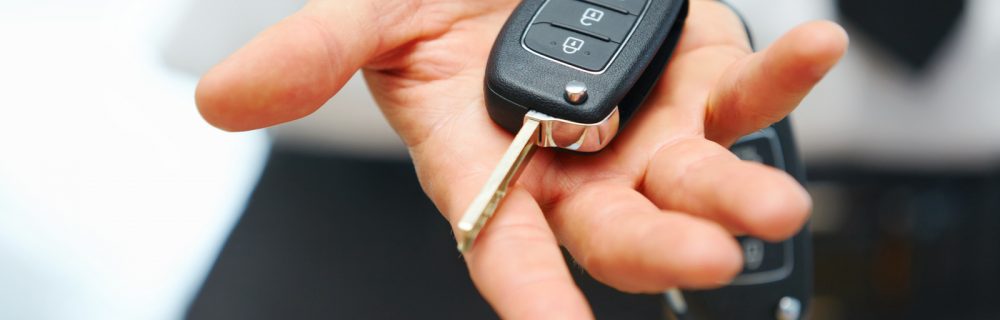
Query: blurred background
[[118, 202]]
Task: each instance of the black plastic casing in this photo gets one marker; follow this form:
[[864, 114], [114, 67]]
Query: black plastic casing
[[760, 301], [518, 80]]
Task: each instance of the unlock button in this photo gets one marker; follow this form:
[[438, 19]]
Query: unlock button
[[585, 17], [570, 47]]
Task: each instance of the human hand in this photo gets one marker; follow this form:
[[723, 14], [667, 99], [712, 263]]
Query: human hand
[[656, 209]]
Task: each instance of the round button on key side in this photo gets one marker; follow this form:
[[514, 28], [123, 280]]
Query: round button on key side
[[576, 92]]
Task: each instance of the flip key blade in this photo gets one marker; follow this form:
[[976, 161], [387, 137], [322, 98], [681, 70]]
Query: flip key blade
[[493, 193]]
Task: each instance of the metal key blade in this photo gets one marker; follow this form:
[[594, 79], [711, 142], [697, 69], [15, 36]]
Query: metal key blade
[[493, 193]]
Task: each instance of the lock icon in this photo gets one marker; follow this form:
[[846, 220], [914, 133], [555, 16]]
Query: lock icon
[[572, 45]]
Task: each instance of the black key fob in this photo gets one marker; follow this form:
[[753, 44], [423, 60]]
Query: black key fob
[[566, 74], [776, 282], [581, 67]]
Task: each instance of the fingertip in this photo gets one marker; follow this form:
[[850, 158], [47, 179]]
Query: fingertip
[[212, 104], [768, 85], [830, 33], [677, 250], [714, 260], [816, 47], [285, 73], [779, 210]]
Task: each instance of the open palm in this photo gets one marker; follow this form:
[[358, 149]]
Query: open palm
[[656, 209]]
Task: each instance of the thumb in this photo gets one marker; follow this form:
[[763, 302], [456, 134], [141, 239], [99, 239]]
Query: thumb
[[291, 69]]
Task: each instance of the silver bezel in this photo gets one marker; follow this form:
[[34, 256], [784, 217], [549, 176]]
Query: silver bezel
[[569, 135]]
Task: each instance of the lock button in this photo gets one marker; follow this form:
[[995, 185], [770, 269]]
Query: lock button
[[574, 48]]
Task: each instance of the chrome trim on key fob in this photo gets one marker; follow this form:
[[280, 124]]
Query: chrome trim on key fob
[[565, 134]]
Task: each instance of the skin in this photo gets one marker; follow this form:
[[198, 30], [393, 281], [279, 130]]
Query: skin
[[655, 210]]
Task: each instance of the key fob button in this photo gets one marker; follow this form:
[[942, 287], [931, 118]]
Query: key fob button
[[757, 150], [543, 46], [761, 147], [761, 256], [764, 262], [588, 18], [634, 7], [576, 49]]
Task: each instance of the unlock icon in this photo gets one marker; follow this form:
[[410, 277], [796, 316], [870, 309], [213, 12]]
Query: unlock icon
[[590, 16]]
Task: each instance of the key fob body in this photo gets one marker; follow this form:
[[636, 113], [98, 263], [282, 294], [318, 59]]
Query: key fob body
[[614, 49], [776, 281]]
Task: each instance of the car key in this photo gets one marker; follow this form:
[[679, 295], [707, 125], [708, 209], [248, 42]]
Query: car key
[[776, 281], [568, 74]]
